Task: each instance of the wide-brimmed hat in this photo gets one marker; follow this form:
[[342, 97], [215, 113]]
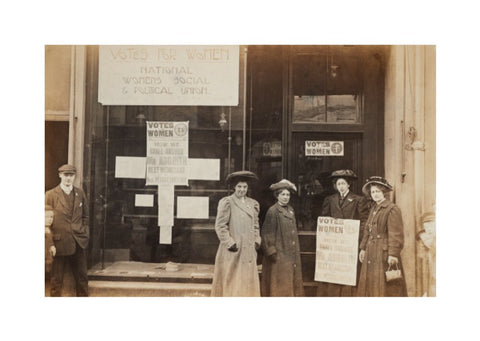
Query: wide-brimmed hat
[[67, 169], [376, 180], [343, 173], [241, 176], [283, 184]]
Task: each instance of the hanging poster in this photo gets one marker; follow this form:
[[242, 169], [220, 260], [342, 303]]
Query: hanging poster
[[324, 148], [337, 250], [167, 153], [168, 75]]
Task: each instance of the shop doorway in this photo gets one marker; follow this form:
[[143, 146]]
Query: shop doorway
[[311, 171]]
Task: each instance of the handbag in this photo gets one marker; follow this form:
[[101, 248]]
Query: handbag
[[393, 274]]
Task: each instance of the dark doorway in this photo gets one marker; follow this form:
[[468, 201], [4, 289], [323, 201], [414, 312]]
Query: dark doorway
[[56, 150]]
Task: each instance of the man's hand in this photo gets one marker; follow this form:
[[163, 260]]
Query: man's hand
[[273, 257], [53, 250]]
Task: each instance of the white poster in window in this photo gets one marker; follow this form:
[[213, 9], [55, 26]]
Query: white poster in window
[[130, 167], [168, 75], [165, 205], [192, 207], [165, 235], [167, 153], [204, 169], [337, 250], [144, 200], [324, 148]]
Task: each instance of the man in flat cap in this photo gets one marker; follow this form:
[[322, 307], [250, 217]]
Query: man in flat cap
[[70, 232]]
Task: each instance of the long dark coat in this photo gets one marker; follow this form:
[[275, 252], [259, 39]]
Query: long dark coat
[[383, 236], [68, 227], [279, 235], [353, 207], [236, 273]]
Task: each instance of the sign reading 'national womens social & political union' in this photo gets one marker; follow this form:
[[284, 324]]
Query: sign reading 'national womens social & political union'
[[168, 75]]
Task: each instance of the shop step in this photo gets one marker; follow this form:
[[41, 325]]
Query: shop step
[[147, 289]]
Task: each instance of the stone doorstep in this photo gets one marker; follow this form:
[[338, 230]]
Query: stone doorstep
[[152, 272], [147, 289]]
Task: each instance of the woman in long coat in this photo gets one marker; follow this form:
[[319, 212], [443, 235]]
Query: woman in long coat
[[281, 268], [381, 244], [237, 227], [343, 205]]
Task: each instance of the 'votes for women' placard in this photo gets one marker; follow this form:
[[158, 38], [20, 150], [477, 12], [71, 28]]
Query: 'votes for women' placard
[[337, 250], [167, 153]]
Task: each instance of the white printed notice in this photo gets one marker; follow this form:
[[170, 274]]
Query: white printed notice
[[337, 250], [165, 235], [144, 200], [167, 153], [165, 205], [192, 207], [204, 169], [131, 167], [324, 148], [168, 75]]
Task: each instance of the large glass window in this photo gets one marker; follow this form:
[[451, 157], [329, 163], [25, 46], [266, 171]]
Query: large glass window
[[131, 231]]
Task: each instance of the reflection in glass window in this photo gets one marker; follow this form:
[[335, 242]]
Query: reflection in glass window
[[342, 109], [309, 109]]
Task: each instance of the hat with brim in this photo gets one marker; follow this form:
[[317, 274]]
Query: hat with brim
[[343, 173], [283, 184], [376, 180], [67, 169], [246, 176]]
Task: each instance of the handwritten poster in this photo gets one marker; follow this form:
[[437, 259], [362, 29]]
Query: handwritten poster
[[167, 153], [337, 250], [168, 75]]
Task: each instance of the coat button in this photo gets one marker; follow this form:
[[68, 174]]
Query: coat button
[[368, 262], [293, 243], [378, 236], [294, 265]]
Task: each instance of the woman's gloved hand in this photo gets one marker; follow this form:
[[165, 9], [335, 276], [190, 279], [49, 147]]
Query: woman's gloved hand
[[233, 248]]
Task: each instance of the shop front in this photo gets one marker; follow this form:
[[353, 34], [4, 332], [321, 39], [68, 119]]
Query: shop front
[[300, 112]]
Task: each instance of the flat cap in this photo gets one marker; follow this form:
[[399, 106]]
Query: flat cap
[[68, 169]]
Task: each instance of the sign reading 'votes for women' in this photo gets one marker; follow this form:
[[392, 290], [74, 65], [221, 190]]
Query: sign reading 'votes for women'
[[337, 250], [168, 75], [324, 148]]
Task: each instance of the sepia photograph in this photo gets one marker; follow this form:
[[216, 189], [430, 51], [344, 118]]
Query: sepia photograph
[[243, 171], [240, 170]]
